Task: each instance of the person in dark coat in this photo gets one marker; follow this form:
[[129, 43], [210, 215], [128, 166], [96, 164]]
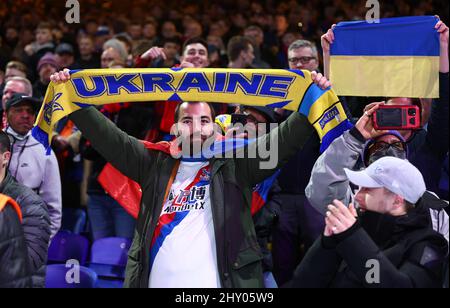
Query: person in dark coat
[[402, 250], [36, 221], [14, 269]]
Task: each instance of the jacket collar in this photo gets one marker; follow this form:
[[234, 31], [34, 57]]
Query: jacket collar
[[384, 229], [16, 135], [5, 181]]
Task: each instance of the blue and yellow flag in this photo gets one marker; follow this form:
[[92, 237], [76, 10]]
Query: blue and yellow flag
[[398, 57], [292, 90]]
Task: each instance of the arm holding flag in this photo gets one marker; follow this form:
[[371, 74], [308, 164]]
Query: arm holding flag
[[438, 124], [443, 31], [434, 145], [326, 40]]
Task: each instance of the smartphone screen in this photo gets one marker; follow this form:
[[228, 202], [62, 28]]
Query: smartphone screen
[[397, 117], [390, 117]]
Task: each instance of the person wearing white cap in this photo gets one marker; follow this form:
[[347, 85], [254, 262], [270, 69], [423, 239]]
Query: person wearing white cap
[[396, 181], [362, 146], [410, 254]]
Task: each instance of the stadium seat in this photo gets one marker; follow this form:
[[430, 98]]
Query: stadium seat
[[66, 246], [57, 277], [109, 283], [108, 260]]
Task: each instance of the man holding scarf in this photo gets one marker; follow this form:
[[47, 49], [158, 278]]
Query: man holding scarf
[[194, 227]]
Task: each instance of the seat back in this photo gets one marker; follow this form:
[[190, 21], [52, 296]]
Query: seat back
[[68, 246], [111, 251], [59, 276]]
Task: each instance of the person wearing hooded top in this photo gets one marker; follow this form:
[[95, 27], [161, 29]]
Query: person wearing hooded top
[[428, 146], [404, 253], [29, 164], [355, 149]]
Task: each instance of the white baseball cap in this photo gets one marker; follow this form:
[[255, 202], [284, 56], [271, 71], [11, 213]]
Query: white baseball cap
[[396, 175]]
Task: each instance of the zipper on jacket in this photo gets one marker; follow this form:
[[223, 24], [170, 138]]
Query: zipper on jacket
[[222, 261], [144, 231]]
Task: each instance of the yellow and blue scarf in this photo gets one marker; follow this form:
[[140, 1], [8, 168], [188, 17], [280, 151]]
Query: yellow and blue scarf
[[288, 89]]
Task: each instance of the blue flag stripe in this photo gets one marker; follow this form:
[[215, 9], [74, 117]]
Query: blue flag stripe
[[405, 36], [311, 96]]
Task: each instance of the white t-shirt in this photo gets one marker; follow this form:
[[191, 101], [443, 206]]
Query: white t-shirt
[[183, 249]]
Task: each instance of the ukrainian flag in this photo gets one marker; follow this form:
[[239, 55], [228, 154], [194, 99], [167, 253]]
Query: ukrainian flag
[[398, 57]]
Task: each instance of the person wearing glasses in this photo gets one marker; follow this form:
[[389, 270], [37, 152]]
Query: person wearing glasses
[[428, 147], [359, 148], [303, 55], [298, 223]]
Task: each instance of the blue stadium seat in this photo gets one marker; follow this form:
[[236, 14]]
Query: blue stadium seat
[[109, 283], [110, 251], [66, 246], [108, 259], [57, 275]]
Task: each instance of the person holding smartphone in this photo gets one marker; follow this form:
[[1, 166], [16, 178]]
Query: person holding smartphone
[[427, 146], [364, 144]]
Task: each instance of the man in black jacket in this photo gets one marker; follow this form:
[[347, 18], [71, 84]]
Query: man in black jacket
[[36, 221], [14, 269], [404, 251]]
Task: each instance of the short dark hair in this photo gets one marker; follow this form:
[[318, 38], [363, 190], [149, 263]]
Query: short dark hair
[[150, 20], [195, 40], [177, 110], [135, 23], [236, 45], [254, 28], [17, 65], [175, 40], [45, 25], [5, 142]]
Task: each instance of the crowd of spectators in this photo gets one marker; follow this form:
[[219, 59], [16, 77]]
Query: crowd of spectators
[[36, 42]]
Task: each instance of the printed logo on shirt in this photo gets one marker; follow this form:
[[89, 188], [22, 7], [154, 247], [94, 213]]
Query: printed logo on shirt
[[187, 200], [192, 198], [205, 175]]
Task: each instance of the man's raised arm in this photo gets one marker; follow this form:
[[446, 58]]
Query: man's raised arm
[[124, 152], [282, 142]]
